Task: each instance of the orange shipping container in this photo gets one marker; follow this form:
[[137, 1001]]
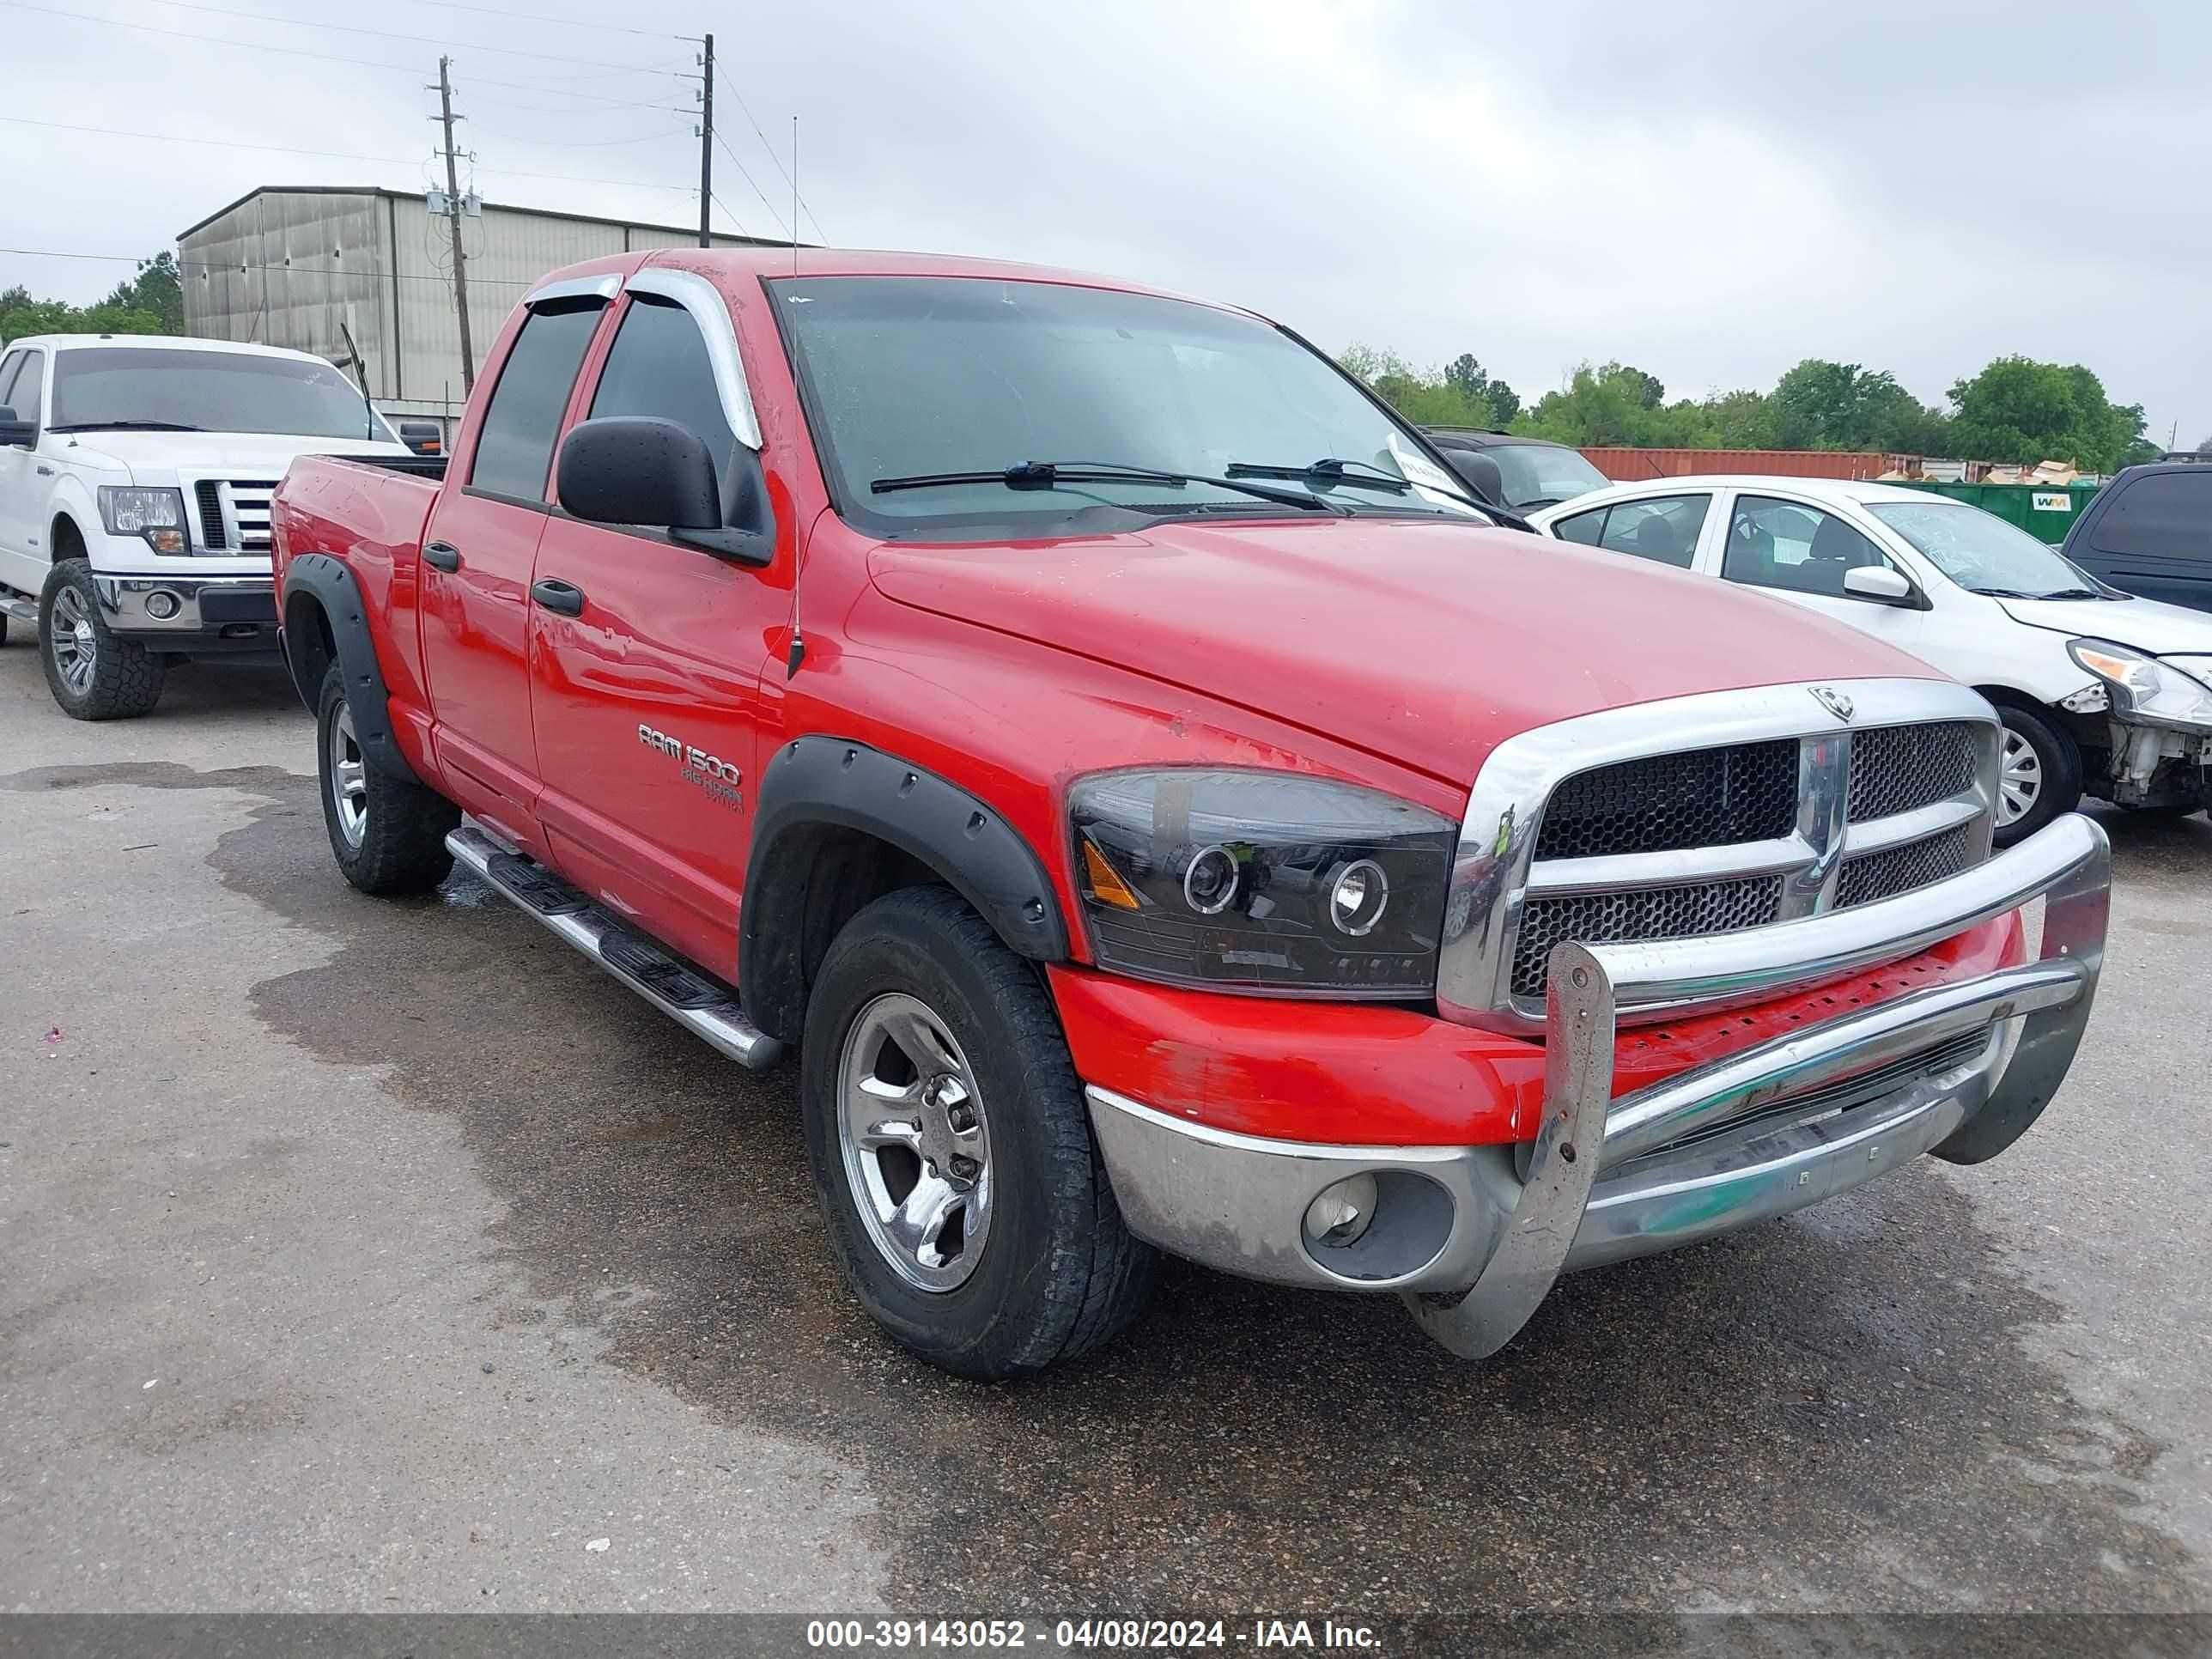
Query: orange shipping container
[[1625, 466]]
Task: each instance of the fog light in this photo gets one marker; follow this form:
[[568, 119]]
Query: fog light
[[1340, 1212], [162, 606]]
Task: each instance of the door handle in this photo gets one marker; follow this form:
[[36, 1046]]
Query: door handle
[[558, 596], [442, 555]]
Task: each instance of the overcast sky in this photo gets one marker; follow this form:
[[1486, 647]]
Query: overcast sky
[[1711, 192]]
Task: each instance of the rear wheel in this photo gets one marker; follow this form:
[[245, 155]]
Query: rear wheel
[[387, 833], [93, 675], [2038, 775], [951, 1150]]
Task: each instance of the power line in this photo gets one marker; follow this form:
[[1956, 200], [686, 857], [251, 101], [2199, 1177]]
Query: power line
[[539, 18], [211, 39], [805, 205], [748, 178], [335, 155], [389, 35]]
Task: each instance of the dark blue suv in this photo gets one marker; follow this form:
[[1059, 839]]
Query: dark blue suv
[[2149, 532]]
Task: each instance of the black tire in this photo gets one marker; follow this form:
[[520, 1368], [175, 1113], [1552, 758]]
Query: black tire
[[1058, 1273], [123, 679], [2059, 766], [400, 847]]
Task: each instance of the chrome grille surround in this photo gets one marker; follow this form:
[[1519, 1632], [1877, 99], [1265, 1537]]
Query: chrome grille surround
[[232, 516], [1486, 978]]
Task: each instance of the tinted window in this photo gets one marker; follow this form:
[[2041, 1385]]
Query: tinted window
[[204, 392], [1664, 531], [2167, 514], [515, 450], [658, 366], [9, 365], [915, 376], [1583, 527], [1790, 545], [30, 386], [1536, 475]]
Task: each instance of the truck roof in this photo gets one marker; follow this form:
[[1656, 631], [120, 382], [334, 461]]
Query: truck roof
[[754, 262], [157, 342]]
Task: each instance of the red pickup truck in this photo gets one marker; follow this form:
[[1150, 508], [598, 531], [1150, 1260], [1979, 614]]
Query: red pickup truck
[[1161, 809]]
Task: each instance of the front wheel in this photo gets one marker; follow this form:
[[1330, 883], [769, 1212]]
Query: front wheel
[[950, 1148], [2038, 775], [387, 833], [93, 675]]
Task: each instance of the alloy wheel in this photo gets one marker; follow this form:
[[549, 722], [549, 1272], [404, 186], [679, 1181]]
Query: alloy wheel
[[348, 779], [73, 640], [916, 1146]]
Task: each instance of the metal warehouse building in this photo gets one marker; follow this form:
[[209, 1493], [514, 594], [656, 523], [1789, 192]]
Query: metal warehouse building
[[288, 265]]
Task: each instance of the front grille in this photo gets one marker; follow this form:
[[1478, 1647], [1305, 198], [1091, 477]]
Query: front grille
[[209, 494], [1667, 803], [1900, 869], [1832, 1099], [1895, 769], [249, 511], [1685, 911]]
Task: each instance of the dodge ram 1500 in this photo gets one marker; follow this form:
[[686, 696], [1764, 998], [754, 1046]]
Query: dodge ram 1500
[[1157, 806]]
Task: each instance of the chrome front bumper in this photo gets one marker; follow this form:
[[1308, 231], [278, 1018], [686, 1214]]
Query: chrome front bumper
[[242, 609], [1474, 1237]]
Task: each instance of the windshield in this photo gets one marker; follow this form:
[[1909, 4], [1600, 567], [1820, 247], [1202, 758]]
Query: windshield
[[1983, 554], [206, 391], [910, 376], [1537, 475]]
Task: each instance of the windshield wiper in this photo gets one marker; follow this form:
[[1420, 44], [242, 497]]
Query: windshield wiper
[[126, 426], [1050, 475], [2054, 594], [1332, 472]]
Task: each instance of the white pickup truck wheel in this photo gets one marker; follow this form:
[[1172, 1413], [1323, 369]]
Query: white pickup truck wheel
[[93, 675]]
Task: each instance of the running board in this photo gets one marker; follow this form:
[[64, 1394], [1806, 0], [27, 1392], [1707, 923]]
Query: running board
[[661, 977], [21, 606]]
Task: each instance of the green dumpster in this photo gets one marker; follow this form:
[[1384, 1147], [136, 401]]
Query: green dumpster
[[2046, 512]]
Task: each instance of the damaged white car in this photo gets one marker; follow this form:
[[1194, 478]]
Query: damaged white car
[[2101, 693]]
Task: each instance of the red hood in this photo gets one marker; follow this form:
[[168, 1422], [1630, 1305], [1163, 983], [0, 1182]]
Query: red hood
[[1426, 643]]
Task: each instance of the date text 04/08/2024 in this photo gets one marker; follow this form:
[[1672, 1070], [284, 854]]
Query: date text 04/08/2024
[[1114, 1634]]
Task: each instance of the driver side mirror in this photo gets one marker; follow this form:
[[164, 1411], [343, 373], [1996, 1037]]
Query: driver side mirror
[[1882, 586], [15, 434], [640, 470]]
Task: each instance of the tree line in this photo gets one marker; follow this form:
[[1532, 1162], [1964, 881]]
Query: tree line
[[150, 303], [2017, 410]]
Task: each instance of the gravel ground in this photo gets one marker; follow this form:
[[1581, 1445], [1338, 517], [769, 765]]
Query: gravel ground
[[386, 1256]]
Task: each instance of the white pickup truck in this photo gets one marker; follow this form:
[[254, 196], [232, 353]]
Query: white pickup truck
[[135, 477]]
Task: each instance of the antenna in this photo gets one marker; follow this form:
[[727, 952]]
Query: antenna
[[361, 375], [799, 553]]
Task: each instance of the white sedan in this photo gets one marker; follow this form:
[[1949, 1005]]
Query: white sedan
[[2099, 692]]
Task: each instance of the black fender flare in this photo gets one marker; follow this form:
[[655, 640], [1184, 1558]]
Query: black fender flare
[[319, 581], [818, 783]]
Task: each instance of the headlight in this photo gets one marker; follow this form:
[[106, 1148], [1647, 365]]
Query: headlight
[[156, 514], [2145, 686], [1266, 881]]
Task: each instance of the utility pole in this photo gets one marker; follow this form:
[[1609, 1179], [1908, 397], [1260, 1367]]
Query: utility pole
[[707, 141], [453, 223]]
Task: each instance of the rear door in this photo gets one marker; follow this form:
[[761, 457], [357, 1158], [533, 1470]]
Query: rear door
[[2154, 537], [478, 552], [647, 698], [23, 492]]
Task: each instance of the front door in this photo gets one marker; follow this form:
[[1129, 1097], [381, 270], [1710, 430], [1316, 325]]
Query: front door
[[478, 553], [649, 657], [1801, 552]]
